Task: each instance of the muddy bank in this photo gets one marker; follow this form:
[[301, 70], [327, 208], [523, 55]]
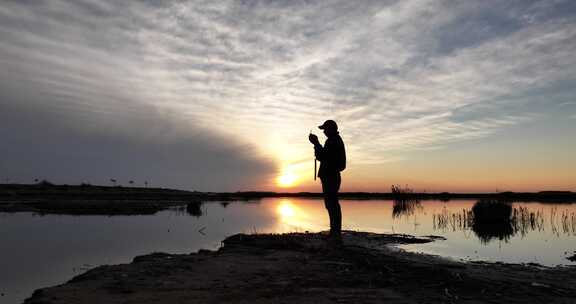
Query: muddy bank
[[302, 268]]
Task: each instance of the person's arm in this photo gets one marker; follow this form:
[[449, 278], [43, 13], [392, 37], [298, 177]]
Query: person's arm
[[318, 149], [319, 152]]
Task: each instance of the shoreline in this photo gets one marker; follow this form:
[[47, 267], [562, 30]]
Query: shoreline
[[303, 268], [118, 200], [32, 192]]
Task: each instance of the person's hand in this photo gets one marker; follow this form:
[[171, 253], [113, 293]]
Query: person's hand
[[313, 139]]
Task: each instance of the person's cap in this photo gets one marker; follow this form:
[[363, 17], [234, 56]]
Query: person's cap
[[329, 124]]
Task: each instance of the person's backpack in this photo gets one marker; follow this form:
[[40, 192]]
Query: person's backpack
[[341, 161]]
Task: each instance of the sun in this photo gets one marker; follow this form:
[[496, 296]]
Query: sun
[[286, 180]]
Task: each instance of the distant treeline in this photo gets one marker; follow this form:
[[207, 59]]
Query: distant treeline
[[15, 192]]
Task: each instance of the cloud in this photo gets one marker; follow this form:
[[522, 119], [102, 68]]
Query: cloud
[[148, 145], [397, 75]]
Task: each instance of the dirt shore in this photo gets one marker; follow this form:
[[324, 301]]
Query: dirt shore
[[303, 268]]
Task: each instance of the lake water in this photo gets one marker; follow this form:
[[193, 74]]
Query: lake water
[[43, 250]]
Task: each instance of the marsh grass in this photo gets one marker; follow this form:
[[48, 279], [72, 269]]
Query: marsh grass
[[405, 201], [524, 220], [501, 220], [492, 211], [194, 208], [398, 192], [563, 223], [405, 207], [452, 221]]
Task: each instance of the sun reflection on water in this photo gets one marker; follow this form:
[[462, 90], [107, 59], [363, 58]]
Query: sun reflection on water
[[296, 217], [286, 209]]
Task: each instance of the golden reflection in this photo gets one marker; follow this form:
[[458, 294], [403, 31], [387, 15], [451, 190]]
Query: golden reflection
[[296, 215], [286, 210]]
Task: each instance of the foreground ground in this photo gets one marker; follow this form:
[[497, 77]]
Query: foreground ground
[[302, 268]]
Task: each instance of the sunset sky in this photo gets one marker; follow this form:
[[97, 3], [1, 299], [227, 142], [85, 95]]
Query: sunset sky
[[221, 95]]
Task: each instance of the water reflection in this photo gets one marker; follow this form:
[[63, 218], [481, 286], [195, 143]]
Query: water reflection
[[194, 208], [296, 216], [405, 202], [405, 207], [495, 220], [564, 222], [45, 250], [286, 210], [524, 221], [492, 219]]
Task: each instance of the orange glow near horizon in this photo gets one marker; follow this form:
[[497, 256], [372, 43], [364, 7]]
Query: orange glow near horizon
[[286, 180], [422, 178]]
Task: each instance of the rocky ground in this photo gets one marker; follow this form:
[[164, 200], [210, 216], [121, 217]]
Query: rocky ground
[[303, 268]]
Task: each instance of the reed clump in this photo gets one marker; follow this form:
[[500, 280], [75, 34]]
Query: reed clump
[[492, 219], [405, 201], [492, 211], [501, 220], [194, 208]]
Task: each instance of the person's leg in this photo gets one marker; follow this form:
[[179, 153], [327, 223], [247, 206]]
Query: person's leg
[[336, 206], [330, 187], [326, 187], [335, 214], [334, 219]]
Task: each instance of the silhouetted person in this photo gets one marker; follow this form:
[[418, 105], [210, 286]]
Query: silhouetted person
[[332, 157]]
